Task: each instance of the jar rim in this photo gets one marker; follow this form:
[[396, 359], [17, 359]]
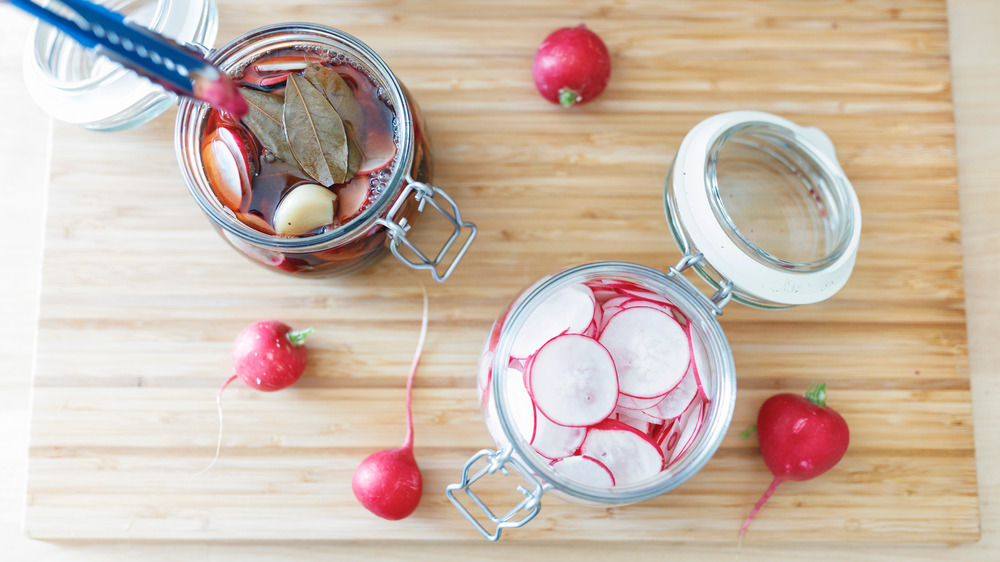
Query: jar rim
[[723, 386], [239, 52], [65, 85], [701, 222]]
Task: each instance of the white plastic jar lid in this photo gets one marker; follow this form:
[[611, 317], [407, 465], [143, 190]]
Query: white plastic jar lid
[[759, 277], [72, 84]]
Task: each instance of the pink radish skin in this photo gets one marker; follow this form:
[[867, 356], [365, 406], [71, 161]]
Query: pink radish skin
[[800, 439], [572, 66], [585, 470], [267, 356], [573, 381], [388, 483]]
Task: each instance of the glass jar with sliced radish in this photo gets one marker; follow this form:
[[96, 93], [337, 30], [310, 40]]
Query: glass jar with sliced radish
[[329, 169], [612, 383]]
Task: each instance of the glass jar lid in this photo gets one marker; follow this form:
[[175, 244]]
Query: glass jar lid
[[73, 84], [766, 205]]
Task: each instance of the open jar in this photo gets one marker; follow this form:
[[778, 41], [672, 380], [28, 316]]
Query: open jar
[[391, 197], [612, 383]]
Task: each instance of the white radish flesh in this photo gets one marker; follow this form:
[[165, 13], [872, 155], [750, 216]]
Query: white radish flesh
[[573, 381], [691, 426], [631, 456], [585, 470], [650, 351], [519, 404], [568, 311], [677, 400], [554, 441], [637, 422], [699, 357]]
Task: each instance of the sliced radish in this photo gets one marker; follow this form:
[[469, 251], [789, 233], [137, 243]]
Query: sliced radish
[[678, 399], [699, 358], [485, 369], [568, 311], [273, 80], [378, 147], [229, 180], [585, 470], [637, 404], [631, 456], [573, 381], [353, 197], [555, 441], [618, 302], [650, 350], [519, 404], [636, 414], [691, 423], [638, 422], [285, 64], [668, 436]]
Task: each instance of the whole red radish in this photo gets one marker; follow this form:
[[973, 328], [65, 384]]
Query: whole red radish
[[388, 482], [800, 438], [572, 66], [268, 356]]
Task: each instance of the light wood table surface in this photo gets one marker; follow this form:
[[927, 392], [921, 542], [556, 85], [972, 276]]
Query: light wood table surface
[[24, 142]]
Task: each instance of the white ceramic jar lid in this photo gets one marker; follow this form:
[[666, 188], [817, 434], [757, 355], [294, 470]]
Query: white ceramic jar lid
[[704, 209], [74, 85]]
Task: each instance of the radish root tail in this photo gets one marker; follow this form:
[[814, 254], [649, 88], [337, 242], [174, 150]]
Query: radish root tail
[[218, 444], [753, 512], [408, 441]]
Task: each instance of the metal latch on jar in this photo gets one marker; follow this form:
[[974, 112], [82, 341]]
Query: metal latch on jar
[[398, 227], [527, 508], [722, 295]]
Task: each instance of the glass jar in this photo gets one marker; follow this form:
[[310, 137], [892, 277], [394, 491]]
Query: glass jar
[[405, 189], [729, 175], [72, 84]]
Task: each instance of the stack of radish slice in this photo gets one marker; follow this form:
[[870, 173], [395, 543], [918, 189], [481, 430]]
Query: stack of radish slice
[[603, 380]]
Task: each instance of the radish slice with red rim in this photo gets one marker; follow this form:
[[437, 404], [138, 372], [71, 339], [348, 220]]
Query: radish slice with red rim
[[677, 400], [353, 197], [638, 422], [691, 424], [573, 381], [519, 404], [568, 311], [630, 455], [700, 362], [585, 470], [638, 404], [554, 441], [650, 350]]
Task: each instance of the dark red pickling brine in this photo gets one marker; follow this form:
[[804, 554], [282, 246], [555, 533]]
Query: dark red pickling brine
[[270, 177], [251, 179]]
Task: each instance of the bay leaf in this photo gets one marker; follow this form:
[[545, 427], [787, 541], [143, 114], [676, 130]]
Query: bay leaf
[[265, 121], [354, 157], [315, 132], [336, 89]]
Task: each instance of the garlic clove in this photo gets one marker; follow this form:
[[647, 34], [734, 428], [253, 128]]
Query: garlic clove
[[304, 209]]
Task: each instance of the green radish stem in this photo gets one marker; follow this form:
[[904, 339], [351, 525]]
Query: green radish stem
[[567, 97], [817, 394]]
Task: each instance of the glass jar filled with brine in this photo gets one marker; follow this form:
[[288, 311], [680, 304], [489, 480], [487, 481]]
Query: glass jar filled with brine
[[612, 383], [330, 168]]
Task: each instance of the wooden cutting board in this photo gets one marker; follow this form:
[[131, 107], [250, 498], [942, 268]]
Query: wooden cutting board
[[140, 300]]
